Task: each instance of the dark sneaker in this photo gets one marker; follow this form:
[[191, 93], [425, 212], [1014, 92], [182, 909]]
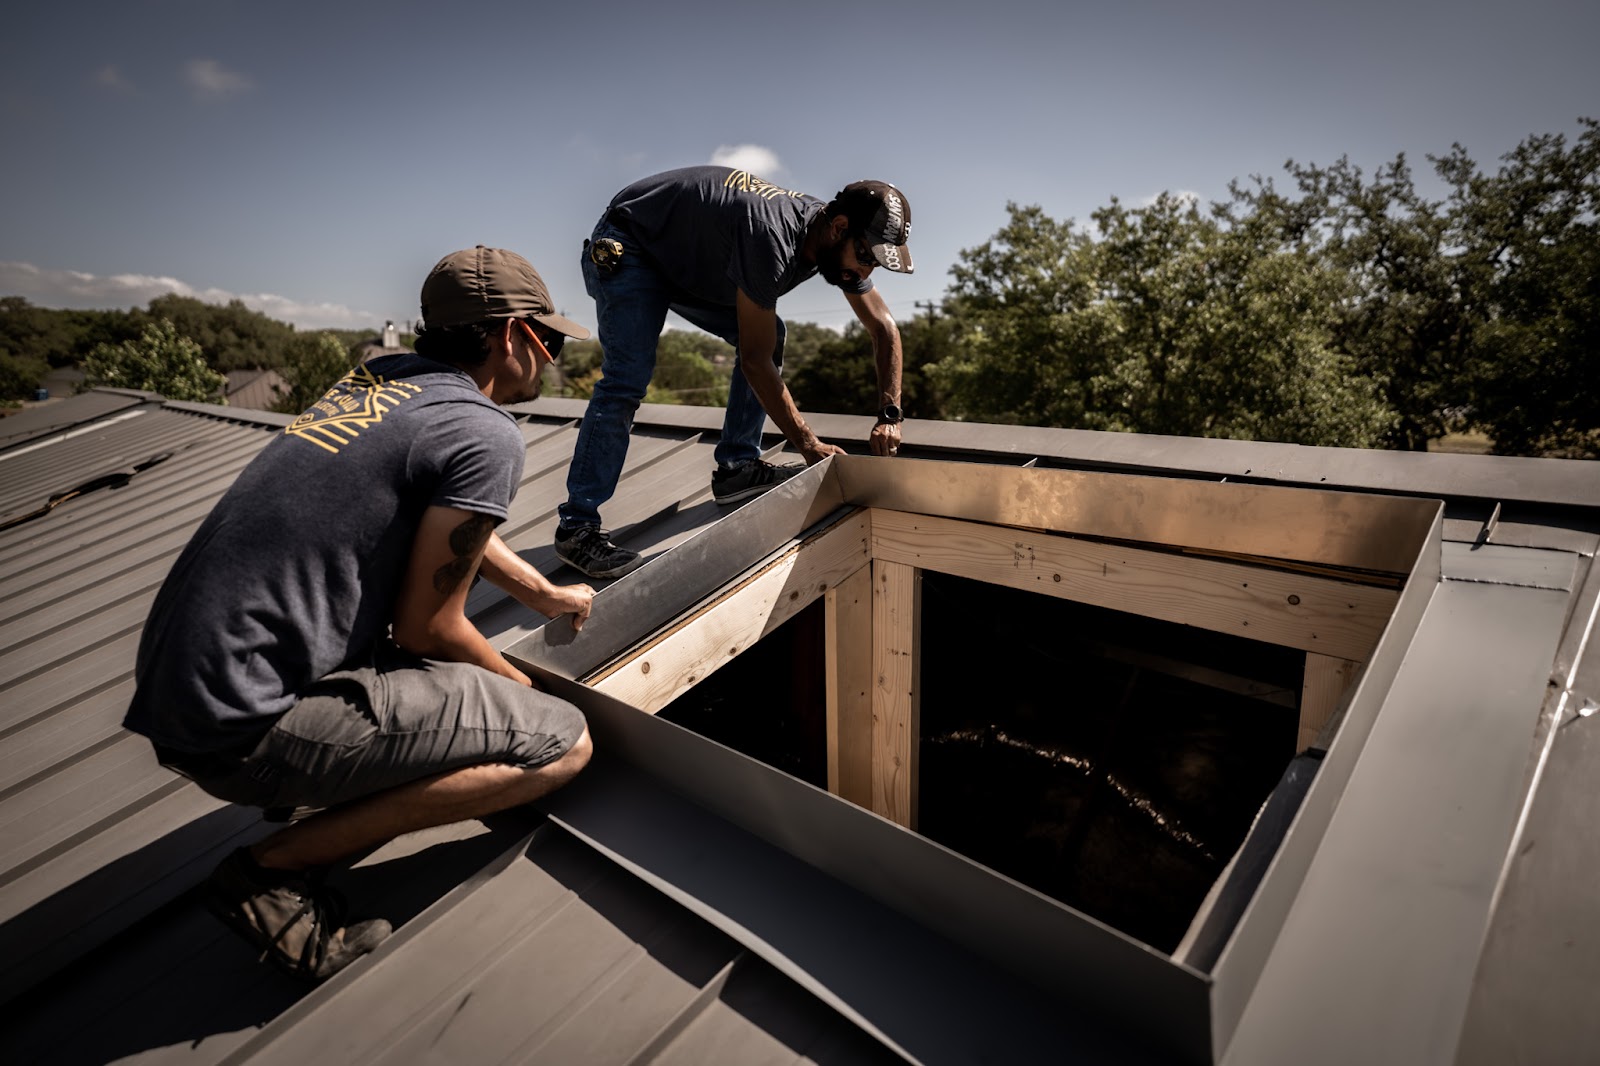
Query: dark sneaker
[[296, 922], [589, 548], [732, 484]]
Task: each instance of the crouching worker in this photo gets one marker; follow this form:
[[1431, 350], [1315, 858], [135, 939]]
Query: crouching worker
[[310, 647]]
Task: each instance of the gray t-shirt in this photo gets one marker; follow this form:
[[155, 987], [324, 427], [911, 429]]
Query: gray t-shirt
[[295, 572], [715, 230]]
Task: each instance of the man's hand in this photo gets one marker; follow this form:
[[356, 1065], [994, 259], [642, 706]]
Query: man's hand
[[815, 451], [885, 439], [575, 600], [507, 570]]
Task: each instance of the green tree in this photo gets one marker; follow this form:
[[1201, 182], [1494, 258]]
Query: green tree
[[161, 360], [20, 375], [1406, 319], [1163, 320], [61, 338], [691, 368], [802, 342], [312, 363], [1530, 237], [231, 335], [841, 376]]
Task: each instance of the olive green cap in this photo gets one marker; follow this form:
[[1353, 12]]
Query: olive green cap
[[478, 284]]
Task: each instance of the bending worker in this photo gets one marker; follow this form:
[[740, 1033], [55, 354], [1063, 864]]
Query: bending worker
[[719, 246]]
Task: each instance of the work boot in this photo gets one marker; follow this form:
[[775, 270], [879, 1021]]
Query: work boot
[[295, 920], [589, 549], [752, 478]]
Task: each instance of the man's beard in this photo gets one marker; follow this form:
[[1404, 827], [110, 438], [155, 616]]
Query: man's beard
[[530, 392], [830, 264]]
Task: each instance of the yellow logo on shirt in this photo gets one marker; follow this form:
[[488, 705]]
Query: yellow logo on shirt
[[745, 181], [358, 400]]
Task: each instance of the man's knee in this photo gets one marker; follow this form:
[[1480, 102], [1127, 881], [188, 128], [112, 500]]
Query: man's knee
[[577, 756], [622, 388]]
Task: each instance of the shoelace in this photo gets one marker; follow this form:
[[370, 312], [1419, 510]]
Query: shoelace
[[326, 906]]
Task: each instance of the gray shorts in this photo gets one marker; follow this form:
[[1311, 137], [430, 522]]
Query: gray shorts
[[375, 727]]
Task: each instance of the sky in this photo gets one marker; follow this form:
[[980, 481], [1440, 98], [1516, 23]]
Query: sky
[[316, 159]]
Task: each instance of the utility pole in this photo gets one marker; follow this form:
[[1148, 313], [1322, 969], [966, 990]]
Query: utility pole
[[930, 305]]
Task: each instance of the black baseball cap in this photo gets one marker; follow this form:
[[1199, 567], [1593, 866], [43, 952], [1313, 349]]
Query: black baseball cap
[[478, 284], [878, 212]]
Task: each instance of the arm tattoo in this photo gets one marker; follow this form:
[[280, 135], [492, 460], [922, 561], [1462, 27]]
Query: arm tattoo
[[466, 541]]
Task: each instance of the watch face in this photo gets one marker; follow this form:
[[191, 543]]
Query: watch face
[[890, 413]]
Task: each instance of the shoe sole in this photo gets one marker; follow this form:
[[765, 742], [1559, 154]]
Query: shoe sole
[[742, 494], [615, 571]]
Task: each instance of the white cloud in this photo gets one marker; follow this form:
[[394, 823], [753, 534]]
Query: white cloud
[[211, 80], [760, 161], [110, 77], [1183, 196], [75, 289]]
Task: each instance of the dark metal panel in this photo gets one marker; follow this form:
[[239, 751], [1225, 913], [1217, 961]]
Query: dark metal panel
[[1498, 564], [1532, 999], [641, 602], [643, 497], [227, 413], [93, 834], [1333, 528], [1559, 537], [1558, 481], [56, 685], [39, 746], [88, 893], [58, 464], [41, 421], [550, 955], [56, 811], [757, 1019], [794, 907], [1240, 965], [1390, 917], [1563, 481]]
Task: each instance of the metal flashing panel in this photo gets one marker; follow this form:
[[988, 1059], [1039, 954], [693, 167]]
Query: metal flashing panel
[[1059, 949], [876, 968], [1389, 920]]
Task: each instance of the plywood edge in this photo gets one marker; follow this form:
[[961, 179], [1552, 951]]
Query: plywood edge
[[750, 608]]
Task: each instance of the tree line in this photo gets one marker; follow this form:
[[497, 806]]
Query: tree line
[[1333, 308], [178, 346]]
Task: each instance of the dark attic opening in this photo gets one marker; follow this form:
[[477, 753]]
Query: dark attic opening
[[769, 702], [1111, 761]]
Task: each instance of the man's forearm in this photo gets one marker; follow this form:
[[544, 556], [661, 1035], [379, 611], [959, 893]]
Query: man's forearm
[[886, 351], [505, 569], [765, 381]]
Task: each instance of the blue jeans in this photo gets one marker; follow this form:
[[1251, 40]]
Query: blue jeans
[[631, 304]]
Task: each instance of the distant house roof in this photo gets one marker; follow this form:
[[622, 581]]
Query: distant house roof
[[1439, 912], [255, 390]]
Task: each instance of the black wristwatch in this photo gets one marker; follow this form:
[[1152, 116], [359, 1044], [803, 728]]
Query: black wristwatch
[[891, 415]]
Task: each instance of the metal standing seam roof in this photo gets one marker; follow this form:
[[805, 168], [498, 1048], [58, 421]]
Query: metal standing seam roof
[[98, 844]]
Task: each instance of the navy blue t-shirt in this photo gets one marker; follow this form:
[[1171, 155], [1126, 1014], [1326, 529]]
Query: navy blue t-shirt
[[715, 230], [295, 572]]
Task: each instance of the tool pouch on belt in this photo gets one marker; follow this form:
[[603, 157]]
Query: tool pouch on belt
[[606, 254]]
